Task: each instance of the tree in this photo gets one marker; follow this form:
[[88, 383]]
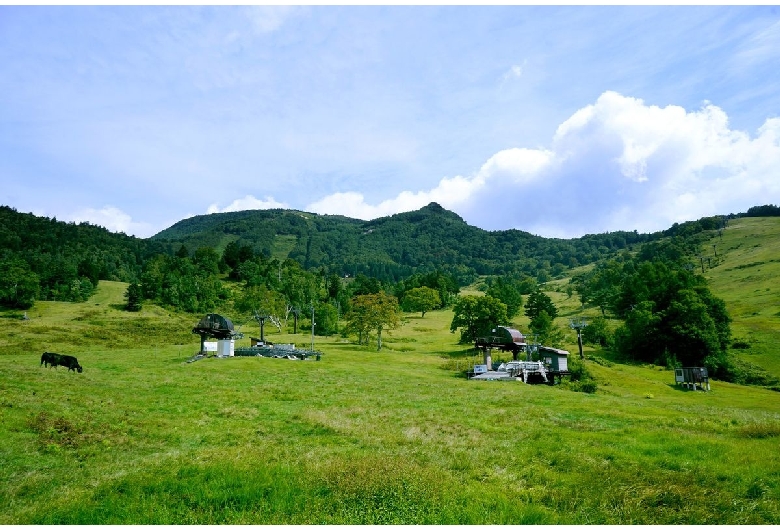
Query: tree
[[370, 312], [207, 259], [134, 296], [477, 315], [507, 291], [363, 284], [538, 302], [325, 315], [257, 301], [421, 299], [546, 330], [597, 332], [638, 337], [19, 286]]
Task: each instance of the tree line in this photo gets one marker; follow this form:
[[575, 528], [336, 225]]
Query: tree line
[[669, 316], [47, 259]]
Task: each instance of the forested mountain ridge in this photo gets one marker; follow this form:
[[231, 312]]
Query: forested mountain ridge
[[47, 259], [393, 247]]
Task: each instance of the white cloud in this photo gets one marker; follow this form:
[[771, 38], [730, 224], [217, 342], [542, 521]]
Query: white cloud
[[450, 193], [113, 219], [763, 46], [248, 203], [267, 19], [516, 72], [618, 164]]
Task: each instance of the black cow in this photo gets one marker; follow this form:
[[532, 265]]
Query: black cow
[[70, 362], [55, 359], [50, 359]]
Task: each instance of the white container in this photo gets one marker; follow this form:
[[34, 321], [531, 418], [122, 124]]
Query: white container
[[209, 346], [226, 348]]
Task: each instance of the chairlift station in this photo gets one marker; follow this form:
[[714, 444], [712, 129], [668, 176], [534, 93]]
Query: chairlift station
[[550, 363]]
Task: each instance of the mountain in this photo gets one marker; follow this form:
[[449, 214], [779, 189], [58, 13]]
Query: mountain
[[47, 259], [393, 247]]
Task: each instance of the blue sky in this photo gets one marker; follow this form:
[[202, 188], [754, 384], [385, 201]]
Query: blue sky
[[559, 121]]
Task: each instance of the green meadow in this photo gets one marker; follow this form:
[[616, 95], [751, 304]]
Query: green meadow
[[398, 436]]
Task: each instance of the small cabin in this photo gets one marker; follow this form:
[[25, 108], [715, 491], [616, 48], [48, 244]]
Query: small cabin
[[691, 377], [557, 360]]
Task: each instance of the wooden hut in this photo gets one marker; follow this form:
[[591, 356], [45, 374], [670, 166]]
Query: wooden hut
[[557, 360]]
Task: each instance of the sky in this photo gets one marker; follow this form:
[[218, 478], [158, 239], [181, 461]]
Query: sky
[[559, 121]]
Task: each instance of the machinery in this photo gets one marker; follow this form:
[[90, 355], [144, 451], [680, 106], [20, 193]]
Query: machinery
[[215, 326], [551, 362], [504, 339]]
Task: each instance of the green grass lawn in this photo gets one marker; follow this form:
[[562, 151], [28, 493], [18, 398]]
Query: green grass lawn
[[397, 436]]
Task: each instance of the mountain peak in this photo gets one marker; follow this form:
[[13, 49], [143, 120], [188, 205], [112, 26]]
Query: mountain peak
[[437, 209]]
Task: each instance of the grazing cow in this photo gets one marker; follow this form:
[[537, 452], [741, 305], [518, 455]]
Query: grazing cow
[[70, 362], [55, 359], [50, 359]]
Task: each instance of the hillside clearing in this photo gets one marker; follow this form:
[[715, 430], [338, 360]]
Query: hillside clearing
[[397, 436]]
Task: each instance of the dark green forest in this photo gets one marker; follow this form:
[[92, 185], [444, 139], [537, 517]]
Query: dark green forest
[[392, 248], [47, 259]]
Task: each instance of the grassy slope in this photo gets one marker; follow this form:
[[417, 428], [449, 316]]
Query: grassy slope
[[747, 280], [360, 437]]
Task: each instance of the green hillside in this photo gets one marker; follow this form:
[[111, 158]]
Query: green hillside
[[360, 437], [746, 278], [392, 437]]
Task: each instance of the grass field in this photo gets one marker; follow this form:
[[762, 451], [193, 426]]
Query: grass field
[[397, 436], [746, 277]]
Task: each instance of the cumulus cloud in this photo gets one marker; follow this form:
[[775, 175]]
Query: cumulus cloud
[[248, 203], [113, 219], [618, 164]]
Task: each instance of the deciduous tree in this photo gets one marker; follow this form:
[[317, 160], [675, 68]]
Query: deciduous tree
[[373, 312], [421, 299], [476, 316]]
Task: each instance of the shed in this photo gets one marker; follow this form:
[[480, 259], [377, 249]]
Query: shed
[[692, 376], [557, 360]]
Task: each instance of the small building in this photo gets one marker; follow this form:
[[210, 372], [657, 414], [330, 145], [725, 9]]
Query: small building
[[226, 348], [691, 377], [557, 360]]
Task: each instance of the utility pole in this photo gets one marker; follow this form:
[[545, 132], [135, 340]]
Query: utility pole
[[312, 326], [579, 326], [261, 319], [296, 313]]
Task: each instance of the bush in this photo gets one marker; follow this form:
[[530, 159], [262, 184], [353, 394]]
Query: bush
[[746, 373], [598, 332], [589, 387]]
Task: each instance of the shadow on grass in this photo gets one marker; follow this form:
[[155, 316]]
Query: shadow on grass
[[681, 388], [459, 354]]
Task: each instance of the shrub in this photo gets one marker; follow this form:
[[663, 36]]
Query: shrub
[[589, 386], [747, 373], [598, 332]]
